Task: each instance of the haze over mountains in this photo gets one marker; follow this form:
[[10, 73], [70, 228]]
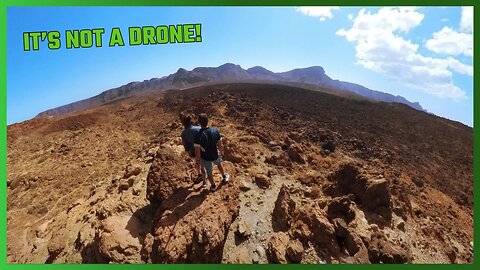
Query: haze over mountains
[[312, 77]]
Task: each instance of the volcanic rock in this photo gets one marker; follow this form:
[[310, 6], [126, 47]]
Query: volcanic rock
[[340, 207], [243, 230], [132, 169], [312, 224], [377, 194], [381, 250], [120, 239], [195, 230], [262, 181], [295, 153], [294, 251], [164, 177], [57, 244], [283, 211], [341, 229], [277, 247]]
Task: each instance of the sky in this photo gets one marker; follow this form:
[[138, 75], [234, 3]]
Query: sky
[[424, 54]]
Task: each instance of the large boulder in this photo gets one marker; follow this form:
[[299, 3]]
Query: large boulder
[[263, 181], [119, 241], [348, 179], [311, 224], [168, 172], [377, 194], [295, 251], [133, 168], [56, 244], [277, 247], [340, 207], [283, 211], [195, 230], [373, 194], [295, 152], [381, 250], [282, 160]]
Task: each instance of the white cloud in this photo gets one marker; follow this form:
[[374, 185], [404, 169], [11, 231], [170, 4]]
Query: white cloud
[[350, 16], [451, 42], [466, 23], [322, 12], [380, 47]]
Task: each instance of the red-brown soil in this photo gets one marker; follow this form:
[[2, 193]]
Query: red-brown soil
[[316, 178]]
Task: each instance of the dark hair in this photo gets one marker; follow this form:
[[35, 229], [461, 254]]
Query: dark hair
[[203, 119], [186, 119]]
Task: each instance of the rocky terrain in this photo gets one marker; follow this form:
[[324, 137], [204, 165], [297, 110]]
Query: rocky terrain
[[315, 178]]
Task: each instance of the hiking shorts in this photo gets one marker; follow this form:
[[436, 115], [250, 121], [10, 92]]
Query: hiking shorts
[[208, 164]]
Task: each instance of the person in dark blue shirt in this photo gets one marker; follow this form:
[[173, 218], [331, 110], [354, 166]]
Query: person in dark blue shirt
[[208, 144], [188, 135]]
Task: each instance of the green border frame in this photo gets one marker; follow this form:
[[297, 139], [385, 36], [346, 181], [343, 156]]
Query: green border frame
[[3, 126]]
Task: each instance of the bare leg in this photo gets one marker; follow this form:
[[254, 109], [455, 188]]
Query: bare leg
[[204, 174], [220, 167], [198, 167], [201, 170], [210, 178]]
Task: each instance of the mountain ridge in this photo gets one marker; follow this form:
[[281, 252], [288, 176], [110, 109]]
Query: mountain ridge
[[229, 72]]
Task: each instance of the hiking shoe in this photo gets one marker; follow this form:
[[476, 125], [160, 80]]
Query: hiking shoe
[[226, 177], [213, 187]]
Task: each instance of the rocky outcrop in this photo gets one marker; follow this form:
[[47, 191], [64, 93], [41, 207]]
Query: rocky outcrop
[[368, 191], [311, 224], [133, 169], [262, 181], [120, 240], [381, 250], [195, 230], [277, 247], [340, 207], [338, 231], [190, 226], [56, 245], [164, 176], [283, 211], [295, 152], [294, 251]]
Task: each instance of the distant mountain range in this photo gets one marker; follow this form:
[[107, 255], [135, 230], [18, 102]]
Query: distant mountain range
[[312, 76]]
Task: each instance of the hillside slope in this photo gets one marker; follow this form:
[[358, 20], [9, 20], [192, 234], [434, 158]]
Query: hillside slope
[[316, 178], [314, 77]]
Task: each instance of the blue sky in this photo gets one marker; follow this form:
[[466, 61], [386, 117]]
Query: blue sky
[[422, 54]]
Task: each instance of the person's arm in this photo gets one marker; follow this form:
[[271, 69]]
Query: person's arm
[[196, 147], [184, 141], [185, 146], [220, 146], [197, 152]]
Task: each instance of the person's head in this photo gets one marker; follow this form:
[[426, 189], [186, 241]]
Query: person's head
[[203, 119], [186, 119]]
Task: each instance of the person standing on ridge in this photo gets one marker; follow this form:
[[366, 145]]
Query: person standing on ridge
[[208, 144], [188, 135]]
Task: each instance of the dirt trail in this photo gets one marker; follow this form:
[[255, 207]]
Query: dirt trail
[[256, 207]]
